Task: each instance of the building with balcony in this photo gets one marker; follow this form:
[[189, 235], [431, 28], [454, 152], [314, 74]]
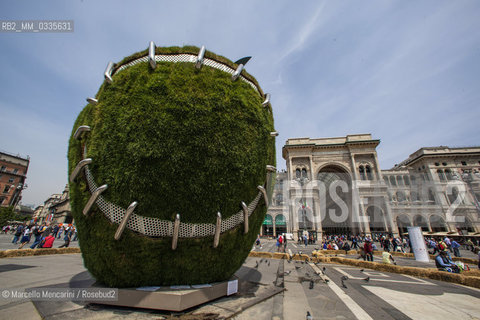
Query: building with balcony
[[61, 210], [45, 213], [336, 186], [13, 173]]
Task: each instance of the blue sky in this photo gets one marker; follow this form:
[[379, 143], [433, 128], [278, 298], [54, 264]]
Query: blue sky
[[406, 71]]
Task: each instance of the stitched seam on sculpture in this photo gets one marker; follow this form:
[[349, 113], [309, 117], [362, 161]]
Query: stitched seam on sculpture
[[184, 57], [155, 227]]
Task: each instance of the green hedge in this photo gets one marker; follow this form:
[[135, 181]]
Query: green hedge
[[177, 140]]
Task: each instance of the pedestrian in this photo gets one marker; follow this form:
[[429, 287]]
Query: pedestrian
[[35, 232], [60, 231], [346, 247], [25, 238], [387, 258], [284, 243], [448, 243], [257, 242], [470, 245], [368, 249], [55, 230], [66, 238], [48, 241], [354, 243], [18, 233], [305, 239], [38, 231], [75, 234], [443, 263], [455, 247]]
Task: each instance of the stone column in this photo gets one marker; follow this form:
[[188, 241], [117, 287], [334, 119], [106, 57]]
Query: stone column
[[318, 217], [388, 215], [377, 167]]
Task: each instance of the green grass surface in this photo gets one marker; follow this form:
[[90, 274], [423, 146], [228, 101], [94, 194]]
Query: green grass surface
[[177, 140]]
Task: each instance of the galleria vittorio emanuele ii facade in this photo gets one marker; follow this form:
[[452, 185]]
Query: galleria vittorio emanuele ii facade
[[336, 186]]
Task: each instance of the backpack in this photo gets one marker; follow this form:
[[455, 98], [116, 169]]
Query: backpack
[[441, 246]]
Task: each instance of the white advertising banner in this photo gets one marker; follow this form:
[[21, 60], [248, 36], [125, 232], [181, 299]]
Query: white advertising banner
[[418, 244]]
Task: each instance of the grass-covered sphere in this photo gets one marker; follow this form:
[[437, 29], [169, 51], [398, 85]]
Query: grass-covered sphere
[[178, 140]]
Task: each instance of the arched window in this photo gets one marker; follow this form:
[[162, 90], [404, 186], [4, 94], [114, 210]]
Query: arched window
[[403, 221], [412, 179], [420, 221], [406, 180], [438, 224], [401, 196], [361, 170], [453, 196], [414, 196], [304, 173], [369, 173], [298, 174], [400, 180], [392, 181], [441, 175], [279, 199], [449, 175]]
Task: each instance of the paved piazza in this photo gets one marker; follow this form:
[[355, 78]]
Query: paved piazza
[[347, 295]]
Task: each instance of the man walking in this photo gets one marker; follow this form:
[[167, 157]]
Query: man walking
[[455, 247], [18, 233], [367, 247]]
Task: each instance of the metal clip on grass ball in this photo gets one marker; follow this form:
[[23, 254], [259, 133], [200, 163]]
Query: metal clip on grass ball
[[151, 55], [176, 229], [122, 225], [108, 72], [199, 61], [92, 101], [80, 130], [267, 100], [241, 64], [93, 198], [78, 168], [245, 217], [218, 227], [264, 193]]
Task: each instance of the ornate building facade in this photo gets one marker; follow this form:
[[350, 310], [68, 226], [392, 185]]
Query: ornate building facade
[[13, 173], [336, 186]]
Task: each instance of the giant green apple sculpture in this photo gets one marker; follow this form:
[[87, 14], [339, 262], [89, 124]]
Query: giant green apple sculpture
[[185, 134]]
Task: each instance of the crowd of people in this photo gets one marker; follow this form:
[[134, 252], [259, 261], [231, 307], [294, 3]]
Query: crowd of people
[[41, 235], [367, 245]]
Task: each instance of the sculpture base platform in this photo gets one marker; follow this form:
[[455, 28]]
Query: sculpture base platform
[[172, 298]]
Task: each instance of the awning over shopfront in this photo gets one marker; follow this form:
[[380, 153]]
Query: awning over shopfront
[[268, 220]]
